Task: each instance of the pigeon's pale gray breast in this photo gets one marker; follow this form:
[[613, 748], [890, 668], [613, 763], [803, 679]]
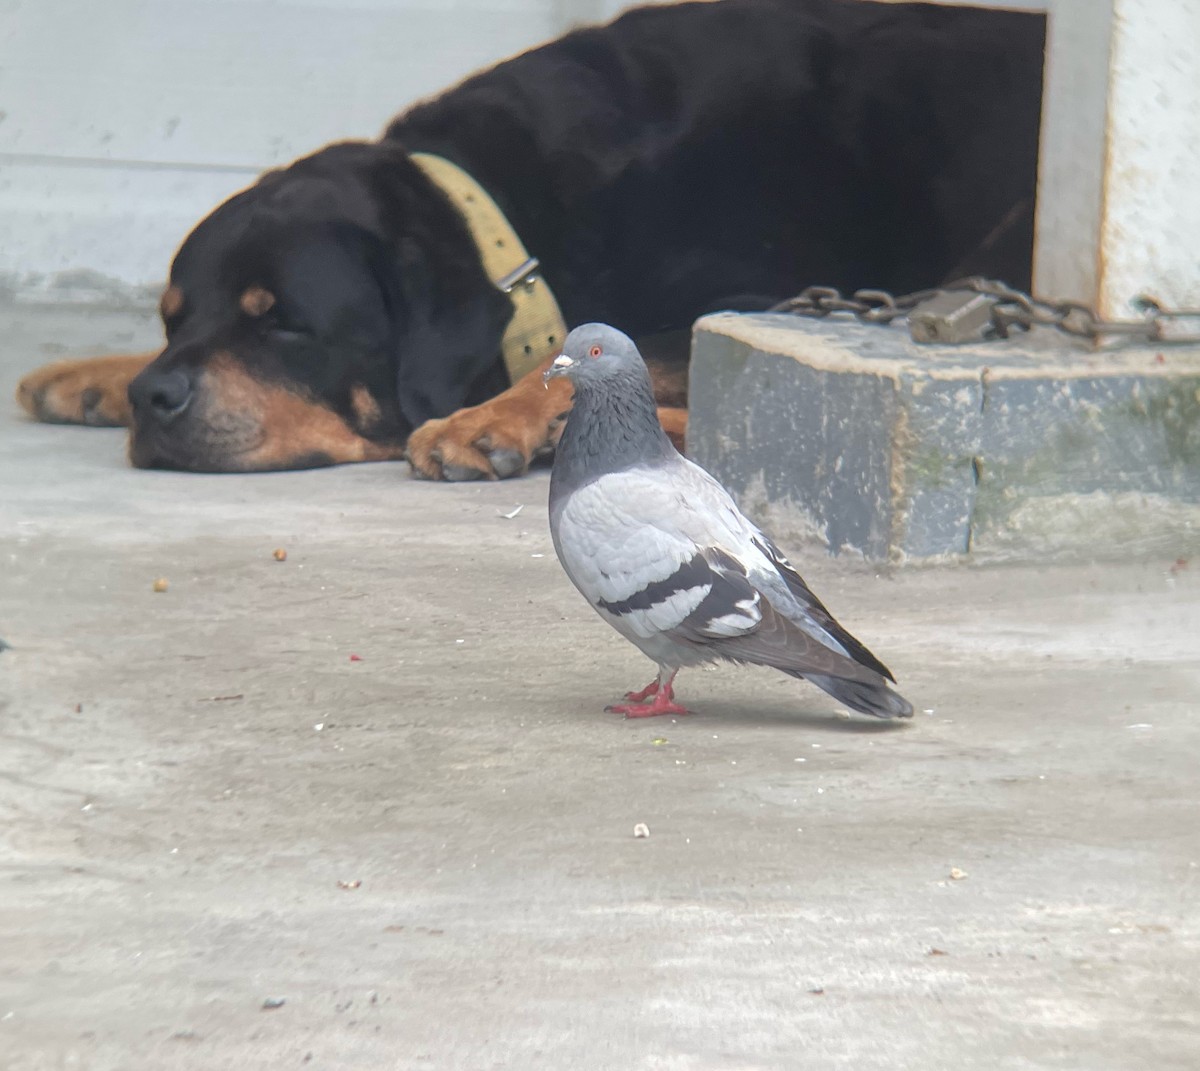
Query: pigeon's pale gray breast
[[635, 545]]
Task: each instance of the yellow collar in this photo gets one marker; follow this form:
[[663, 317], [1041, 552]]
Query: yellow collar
[[536, 329]]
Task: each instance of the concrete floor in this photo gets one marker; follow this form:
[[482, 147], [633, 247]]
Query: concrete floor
[[187, 779]]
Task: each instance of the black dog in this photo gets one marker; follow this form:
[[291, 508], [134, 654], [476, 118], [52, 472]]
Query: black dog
[[682, 159]]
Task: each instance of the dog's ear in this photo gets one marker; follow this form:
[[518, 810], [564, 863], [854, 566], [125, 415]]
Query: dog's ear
[[448, 317], [448, 334]]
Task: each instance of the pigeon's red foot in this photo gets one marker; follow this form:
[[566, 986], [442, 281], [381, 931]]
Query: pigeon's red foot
[[662, 703], [647, 710]]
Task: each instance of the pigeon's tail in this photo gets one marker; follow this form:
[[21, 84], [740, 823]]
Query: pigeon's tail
[[878, 700]]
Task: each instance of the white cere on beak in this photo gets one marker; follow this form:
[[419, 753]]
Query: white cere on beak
[[558, 367]]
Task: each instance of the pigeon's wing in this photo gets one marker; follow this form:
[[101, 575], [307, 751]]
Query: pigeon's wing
[[770, 570], [815, 610], [666, 553]]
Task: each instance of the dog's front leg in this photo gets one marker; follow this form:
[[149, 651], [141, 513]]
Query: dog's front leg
[[94, 390], [497, 439]]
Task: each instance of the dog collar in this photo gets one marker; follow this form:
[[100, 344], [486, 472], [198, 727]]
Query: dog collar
[[536, 329]]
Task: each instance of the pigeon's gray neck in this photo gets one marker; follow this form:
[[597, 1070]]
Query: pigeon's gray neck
[[613, 426]]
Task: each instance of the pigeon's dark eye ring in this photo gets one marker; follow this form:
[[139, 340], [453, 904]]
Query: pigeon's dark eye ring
[[595, 351]]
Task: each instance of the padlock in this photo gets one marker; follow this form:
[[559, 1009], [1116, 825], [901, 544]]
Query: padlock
[[952, 316]]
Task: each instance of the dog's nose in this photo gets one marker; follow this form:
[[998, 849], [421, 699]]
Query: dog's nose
[[162, 394]]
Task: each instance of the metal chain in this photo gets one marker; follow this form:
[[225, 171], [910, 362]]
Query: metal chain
[[1007, 308]]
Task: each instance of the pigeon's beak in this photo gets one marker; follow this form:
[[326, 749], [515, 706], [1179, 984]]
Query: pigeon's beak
[[561, 365]]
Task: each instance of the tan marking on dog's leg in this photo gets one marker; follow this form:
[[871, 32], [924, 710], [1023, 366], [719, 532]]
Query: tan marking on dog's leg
[[93, 391], [496, 439], [669, 383], [366, 409], [674, 422]]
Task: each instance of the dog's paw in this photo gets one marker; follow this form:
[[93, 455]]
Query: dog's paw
[[469, 446], [493, 441], [92, 391]]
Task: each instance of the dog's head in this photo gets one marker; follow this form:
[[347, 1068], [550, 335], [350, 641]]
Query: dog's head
[[317, 318]]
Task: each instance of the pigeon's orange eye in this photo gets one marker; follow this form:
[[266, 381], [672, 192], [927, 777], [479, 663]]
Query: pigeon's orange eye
[[595, 351]]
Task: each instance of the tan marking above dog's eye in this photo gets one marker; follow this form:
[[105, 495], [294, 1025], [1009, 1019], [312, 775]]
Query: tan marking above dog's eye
[[171, 302], [256, 301]]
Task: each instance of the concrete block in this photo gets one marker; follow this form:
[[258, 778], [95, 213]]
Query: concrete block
[[1023, 448]]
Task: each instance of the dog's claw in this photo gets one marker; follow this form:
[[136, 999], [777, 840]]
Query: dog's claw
[[461, 473], [506, 463]]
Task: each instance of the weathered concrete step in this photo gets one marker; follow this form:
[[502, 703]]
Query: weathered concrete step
[[1022, 448]]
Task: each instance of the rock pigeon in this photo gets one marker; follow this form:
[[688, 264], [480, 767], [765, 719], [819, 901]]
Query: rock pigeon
[[662, 553]]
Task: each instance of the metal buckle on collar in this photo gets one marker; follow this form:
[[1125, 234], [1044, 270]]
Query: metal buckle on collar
[[523, 273]]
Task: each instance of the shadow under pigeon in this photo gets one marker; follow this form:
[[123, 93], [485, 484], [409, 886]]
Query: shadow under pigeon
[[755, 712], [732, 712]]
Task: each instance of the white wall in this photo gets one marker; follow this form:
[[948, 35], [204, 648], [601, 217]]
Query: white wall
[[1150, 238], [1118, 201], [125, 121]]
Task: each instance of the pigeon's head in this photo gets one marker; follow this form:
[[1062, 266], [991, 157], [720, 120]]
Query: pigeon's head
[[593, 352]]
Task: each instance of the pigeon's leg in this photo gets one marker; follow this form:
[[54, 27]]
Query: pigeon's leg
[[645, 693], [662, 703]]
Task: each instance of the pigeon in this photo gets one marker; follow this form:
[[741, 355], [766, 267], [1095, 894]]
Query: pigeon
[[662, 553]]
